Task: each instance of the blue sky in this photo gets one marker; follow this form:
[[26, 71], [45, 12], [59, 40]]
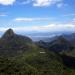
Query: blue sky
[[37, 15]]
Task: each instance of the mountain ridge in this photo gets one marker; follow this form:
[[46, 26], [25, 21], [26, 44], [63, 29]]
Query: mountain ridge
[[12, 43], [22, 56]]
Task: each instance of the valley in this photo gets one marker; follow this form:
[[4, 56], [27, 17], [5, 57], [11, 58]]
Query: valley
[[19, 55]]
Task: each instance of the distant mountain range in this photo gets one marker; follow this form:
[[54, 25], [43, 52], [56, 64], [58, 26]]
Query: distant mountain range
[[37, 36], [59, 43], [12, 41], [20, 55]]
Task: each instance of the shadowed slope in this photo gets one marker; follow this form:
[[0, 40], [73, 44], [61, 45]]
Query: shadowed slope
[[11, 43]]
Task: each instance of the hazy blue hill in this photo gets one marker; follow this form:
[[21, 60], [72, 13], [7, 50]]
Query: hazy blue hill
[[58, 44], [70, 37]]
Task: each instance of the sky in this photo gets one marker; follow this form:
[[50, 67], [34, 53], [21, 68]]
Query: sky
[[37, 15]]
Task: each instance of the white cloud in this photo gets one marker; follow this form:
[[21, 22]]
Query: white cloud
[[55, 27], [50, 27], [7, 2], [23, 19], [41, 3], [3, 29]]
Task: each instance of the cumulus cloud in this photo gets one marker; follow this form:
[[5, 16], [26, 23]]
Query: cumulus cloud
[[41, 3], [3, 29], [50, 27], [23, 19], [55, 27], [7, 2]]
